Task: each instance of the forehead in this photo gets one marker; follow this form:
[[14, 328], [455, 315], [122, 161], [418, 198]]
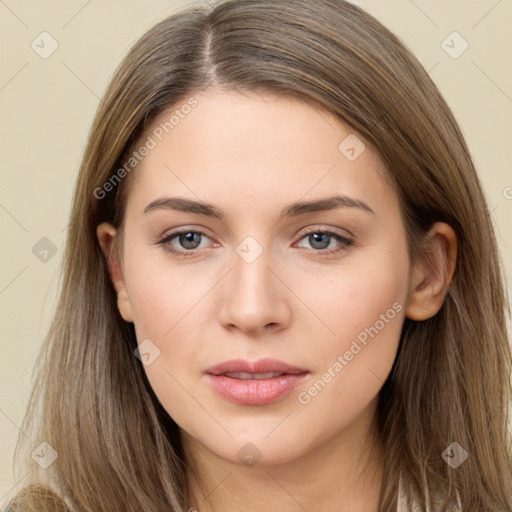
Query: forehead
[[245, 146]]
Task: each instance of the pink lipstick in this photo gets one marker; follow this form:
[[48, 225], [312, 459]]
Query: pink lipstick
[[254, 383]]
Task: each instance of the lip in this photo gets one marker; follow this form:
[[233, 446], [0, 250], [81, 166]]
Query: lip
[[264, 365], [254, 391]]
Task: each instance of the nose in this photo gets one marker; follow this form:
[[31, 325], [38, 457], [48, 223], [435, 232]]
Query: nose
[[254, 299]]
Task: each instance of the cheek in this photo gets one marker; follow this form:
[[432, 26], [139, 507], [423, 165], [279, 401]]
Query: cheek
[[168, 309], [365, 309], [161, 292], [362, 293], [171, 307]]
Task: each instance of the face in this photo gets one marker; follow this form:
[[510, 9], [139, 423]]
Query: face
[[321, 288]]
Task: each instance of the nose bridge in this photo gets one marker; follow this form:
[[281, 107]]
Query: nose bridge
[[253, 297], [251, 274]]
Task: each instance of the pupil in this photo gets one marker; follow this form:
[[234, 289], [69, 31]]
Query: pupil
[[188, 240], [315, 241]]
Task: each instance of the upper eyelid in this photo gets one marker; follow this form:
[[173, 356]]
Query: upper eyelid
[[182, 229], [314, 228]]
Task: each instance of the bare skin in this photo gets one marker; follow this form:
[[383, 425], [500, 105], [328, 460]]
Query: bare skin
[[250, 157]]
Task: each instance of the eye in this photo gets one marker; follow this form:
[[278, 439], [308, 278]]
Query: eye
[[327, 242], [189, 240]]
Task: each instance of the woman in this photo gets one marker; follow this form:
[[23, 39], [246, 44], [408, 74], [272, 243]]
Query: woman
[[281, 284]]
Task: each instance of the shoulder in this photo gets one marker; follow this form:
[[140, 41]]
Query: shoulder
[[37, 498]]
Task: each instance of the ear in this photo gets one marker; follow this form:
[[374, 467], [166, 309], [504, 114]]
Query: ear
[[432, 274], [106, 234]]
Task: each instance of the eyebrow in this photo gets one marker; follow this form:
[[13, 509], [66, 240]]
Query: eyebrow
[[291, 210]]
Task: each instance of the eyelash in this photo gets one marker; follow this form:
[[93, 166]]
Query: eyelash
[[345, 241]]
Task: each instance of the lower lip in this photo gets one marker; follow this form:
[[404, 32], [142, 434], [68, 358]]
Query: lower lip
[[255, 391]]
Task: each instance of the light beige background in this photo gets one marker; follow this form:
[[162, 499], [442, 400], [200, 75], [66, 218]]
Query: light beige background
[[47, 106]]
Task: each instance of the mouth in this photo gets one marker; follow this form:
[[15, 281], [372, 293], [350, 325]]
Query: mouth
[[255, 376], [254, 383], [260, 367]]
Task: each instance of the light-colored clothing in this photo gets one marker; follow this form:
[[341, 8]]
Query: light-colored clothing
[[402, 506]]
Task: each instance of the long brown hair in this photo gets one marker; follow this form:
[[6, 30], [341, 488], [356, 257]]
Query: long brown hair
[[117, 448]]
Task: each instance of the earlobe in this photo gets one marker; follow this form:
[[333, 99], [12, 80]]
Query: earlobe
[[432, 275], [106, 234]]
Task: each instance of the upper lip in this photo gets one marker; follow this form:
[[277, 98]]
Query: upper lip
[[265, 365]]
